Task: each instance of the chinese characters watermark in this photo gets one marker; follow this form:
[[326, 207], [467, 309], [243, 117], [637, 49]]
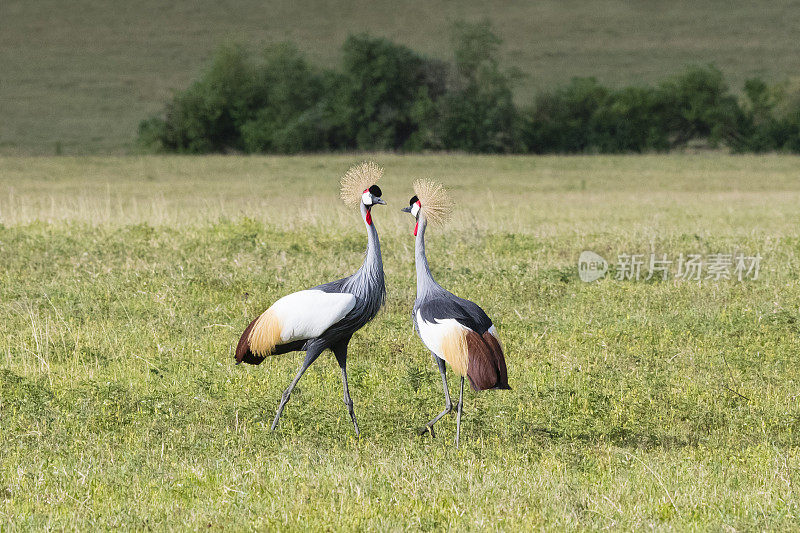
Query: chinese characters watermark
[[689, 267]]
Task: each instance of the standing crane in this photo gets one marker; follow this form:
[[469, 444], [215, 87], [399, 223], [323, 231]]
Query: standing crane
[[455, 330], [325, 316]]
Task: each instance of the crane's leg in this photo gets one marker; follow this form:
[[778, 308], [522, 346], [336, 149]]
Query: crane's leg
[[458, 417], [448, 405], [311, 356], [340, 351]]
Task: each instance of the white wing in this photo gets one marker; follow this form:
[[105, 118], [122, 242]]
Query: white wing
[[433, 333], [307, 314]]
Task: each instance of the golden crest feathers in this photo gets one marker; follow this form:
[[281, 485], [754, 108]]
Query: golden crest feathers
[[434, 201], [357, 179]]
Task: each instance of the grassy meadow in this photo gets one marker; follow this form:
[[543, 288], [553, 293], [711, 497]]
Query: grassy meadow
[[125, 283], [79, 76]]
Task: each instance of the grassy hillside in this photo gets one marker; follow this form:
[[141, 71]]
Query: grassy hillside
[[84, 73], [124, 283]]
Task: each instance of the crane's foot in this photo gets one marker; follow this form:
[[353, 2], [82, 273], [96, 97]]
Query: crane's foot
[[424, 430], [428, 428]]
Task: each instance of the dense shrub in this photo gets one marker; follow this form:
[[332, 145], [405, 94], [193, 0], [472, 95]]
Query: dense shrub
[[478, 113], [772, 118], [286, 118], [241, 103], [696, 104], [630, 122], [561, 120], [204, 117], [385, 96], [584, 116]]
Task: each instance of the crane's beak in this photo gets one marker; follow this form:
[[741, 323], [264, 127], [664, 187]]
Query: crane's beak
[[378, 200], [406, 209]]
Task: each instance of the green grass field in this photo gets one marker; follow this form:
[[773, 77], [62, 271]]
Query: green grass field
[[84, 73], [125, 282]]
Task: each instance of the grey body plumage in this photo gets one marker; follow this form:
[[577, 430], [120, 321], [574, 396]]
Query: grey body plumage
[[368, 286], [434, 302]]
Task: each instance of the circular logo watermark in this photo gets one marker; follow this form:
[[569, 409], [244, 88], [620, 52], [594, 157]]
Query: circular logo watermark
[[591, 266]]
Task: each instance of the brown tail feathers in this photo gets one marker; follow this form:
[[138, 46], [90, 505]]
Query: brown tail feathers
[[243, 353], [487, 364]]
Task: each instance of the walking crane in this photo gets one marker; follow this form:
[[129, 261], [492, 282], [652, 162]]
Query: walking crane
[[325, 316]]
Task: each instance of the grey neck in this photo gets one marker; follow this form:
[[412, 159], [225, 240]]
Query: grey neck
[[369, 277], [425, 282]]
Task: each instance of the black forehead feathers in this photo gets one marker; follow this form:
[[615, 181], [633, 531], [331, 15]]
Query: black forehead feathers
[[375, 190], [413, 200]]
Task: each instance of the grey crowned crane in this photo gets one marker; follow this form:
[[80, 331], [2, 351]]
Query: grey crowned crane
[[455, 330], [325, 316]]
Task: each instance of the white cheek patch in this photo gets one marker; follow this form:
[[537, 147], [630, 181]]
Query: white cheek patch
[[415, 208], [366, 198]]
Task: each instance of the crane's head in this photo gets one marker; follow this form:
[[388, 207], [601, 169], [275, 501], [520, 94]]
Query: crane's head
[[372, 196], [359, 188], [430, 203]]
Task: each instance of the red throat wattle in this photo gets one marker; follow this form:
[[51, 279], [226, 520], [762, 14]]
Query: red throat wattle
[[416, 226]]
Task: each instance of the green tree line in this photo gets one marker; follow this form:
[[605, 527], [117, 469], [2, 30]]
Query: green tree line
[[385, 96]]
